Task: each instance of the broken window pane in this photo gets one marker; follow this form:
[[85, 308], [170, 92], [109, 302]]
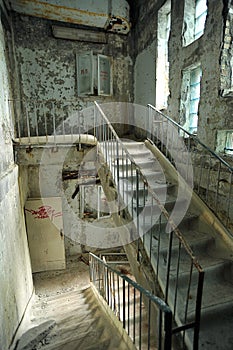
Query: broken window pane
[[229, 142]]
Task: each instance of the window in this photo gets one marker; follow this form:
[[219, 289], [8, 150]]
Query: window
[[94, 74], [162, 63], [195, 12], [226, 59], [225, 141], [190, 97], [200, 18], [229, 142]]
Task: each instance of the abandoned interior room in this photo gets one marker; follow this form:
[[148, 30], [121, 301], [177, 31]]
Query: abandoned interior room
[[116, 174]]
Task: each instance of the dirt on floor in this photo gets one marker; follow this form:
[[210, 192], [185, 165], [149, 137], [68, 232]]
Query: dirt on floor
[[74, 277]]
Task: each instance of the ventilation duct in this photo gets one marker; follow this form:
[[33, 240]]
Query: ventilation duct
[[111, 15]]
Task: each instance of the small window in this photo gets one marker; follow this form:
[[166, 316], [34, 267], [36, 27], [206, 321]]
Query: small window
[[226, 59], [195, 12], [200, 18], [85, 74], [195, 80], [190, 97], [162, 63], [229, 142], [104, 76], [94, 74]]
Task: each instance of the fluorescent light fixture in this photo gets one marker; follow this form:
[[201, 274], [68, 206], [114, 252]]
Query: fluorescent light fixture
[[79, 34]]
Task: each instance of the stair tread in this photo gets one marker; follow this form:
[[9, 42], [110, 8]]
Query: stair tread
[[145, 220], [62, 295], [80, 322]]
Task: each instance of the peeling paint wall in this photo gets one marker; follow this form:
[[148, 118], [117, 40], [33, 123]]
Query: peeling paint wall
[[144, 88], [47, 66], [15, 272], [42, 180], [215, 111]]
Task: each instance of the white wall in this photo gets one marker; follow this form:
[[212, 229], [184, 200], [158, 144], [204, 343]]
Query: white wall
[[144, 76], [15, 272]]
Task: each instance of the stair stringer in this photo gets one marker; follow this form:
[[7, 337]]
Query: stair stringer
[[206, 216]]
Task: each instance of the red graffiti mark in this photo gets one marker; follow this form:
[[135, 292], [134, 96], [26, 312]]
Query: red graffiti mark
[[45, 212]]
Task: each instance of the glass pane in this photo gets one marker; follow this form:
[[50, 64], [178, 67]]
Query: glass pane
[[200, 25], [194, 106], [85, 74], [104, 75], [229, 141], [194, 91], [195, 76], [200, 8], [193, 120]]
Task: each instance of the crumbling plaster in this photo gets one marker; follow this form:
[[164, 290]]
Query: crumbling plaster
[[215, 111], [47, 66], [16, 285]]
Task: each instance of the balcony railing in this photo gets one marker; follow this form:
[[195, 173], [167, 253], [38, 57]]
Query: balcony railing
[[50, 121]]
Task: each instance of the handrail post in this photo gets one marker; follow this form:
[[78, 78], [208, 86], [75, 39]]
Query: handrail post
[[198, 311], [168, 330]]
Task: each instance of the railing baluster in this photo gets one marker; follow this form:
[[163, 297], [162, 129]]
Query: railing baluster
[[134, 314], [140, 321], [217, 189], [54, 122], [229, 200], [187, 297], [128, 309], [208, 180], [169, 256], [123, 306], [177, 279], [160, 331], [149, 325], [28, 125]]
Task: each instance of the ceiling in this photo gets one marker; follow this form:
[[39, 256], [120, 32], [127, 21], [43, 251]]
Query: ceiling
[[111, 15]]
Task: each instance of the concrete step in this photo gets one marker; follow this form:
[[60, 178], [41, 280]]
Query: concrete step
[[54, 298], [217, 292], [159, 223], [80, 322], [217, 302]]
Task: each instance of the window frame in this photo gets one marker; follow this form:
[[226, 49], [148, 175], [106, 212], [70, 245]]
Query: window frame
[[188, 96], [89, 73], [190, 33]]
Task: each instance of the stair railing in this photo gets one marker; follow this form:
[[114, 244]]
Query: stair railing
[[127, 300], [213, 176], [178, 272], [42, 121]]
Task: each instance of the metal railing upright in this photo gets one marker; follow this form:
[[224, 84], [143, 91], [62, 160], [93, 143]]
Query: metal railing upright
[[126, 299], [213, 176], [49, 121], [177, 270]]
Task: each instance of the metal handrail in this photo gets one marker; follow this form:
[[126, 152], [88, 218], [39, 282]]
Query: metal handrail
[[192, 136], [107, 138], [120, 292], [48, 119], [213, 176]]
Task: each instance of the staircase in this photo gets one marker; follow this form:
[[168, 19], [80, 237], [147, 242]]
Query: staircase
[[80, 323], [180, 286]]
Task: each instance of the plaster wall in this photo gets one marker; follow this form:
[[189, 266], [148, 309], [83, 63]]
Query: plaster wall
[[16, 285], [215, 111], [45, 173], [144, 76], [47, 66]]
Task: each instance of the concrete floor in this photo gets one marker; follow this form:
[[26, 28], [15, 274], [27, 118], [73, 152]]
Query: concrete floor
[[74, 277]]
